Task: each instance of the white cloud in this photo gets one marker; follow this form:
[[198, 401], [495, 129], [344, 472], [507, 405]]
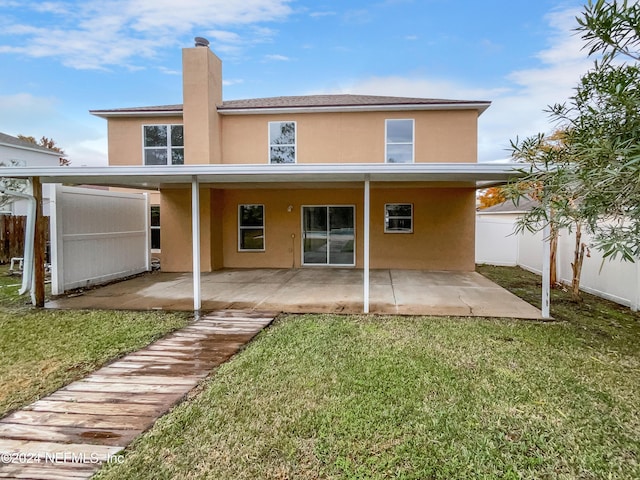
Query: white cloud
[[232, 81], [19, 110], [518, 106], [81, 139], [277, 58], [322, 14], [100, 34], [169, 71], [233, 44], [90, 153]]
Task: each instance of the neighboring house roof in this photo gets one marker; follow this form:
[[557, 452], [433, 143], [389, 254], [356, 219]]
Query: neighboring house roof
[[9, 141], [335, 103], [524, 205]]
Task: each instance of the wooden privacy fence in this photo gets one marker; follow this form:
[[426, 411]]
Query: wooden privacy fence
[[12, 229]]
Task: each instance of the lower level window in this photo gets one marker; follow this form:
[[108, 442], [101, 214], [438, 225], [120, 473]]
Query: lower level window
[[155, 227], [251, 227], [398, 218]]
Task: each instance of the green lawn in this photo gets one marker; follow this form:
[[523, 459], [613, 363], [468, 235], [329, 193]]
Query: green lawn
[[358, 397], [42, 350]]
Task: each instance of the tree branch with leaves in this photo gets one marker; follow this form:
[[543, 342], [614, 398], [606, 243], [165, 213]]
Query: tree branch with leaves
[[591, 179]]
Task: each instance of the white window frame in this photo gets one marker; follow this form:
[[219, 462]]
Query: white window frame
[[387, 217], [387, 142], [251, 227], [355, 239], [294, 144], [169, 146]]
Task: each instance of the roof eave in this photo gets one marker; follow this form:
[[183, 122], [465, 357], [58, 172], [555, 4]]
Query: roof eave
[[222, 110], [46, 151], [475, 174], [479, 106], [106, 114]]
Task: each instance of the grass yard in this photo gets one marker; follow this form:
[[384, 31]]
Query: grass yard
[[359, 397], [42, 350]]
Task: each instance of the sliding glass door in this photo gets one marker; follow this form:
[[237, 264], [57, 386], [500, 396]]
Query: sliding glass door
[[328, 235]]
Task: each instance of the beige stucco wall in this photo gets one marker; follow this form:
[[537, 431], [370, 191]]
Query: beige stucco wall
[[202, 93], [125, 138], [440, 136], [175, 230], [443, 237]]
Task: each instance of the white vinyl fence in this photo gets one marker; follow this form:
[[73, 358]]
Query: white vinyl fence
[[496, 244], [97, 236]]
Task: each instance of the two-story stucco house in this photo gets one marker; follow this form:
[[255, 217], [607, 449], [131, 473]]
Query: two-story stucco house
[[420, 222]]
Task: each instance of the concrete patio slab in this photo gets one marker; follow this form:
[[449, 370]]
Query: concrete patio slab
[[311, 290]]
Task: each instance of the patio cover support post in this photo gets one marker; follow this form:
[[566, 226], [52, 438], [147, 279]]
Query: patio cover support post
[[195, 241], [38, 247], [367, 208], [546, 269]]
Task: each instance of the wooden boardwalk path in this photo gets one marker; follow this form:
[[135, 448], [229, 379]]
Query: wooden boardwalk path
[[69, 434]]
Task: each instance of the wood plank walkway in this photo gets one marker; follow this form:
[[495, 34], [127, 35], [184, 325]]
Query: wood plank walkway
[[72, 432]]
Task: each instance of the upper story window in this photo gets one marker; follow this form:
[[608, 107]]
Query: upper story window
[[282, 142], [399, 141], [163, 144]]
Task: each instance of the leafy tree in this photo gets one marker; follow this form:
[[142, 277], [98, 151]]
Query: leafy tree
[[490, 197], [591, 178], [14, 184], [603, 120], [49, 143], [557, 197]]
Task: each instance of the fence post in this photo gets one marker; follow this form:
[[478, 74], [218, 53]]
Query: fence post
[[4, 251], [57, 240]]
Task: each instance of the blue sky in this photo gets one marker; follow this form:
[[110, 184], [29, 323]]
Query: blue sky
[[59, 59]]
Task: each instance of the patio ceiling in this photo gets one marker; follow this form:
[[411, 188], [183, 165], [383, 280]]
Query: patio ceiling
[[476, 175]]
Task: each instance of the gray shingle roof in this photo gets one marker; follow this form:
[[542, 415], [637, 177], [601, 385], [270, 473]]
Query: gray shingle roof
[[304, 101], [16, 142], [336, 101]]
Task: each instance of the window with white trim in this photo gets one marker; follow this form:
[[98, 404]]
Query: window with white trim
[[399, 134], [250, 228], [282, 142], [163, 144], [398, 218]]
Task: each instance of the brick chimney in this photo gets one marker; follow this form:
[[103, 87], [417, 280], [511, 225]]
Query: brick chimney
[[201, 92]]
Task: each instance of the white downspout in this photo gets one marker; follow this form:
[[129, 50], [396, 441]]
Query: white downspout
[[29, 234]]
